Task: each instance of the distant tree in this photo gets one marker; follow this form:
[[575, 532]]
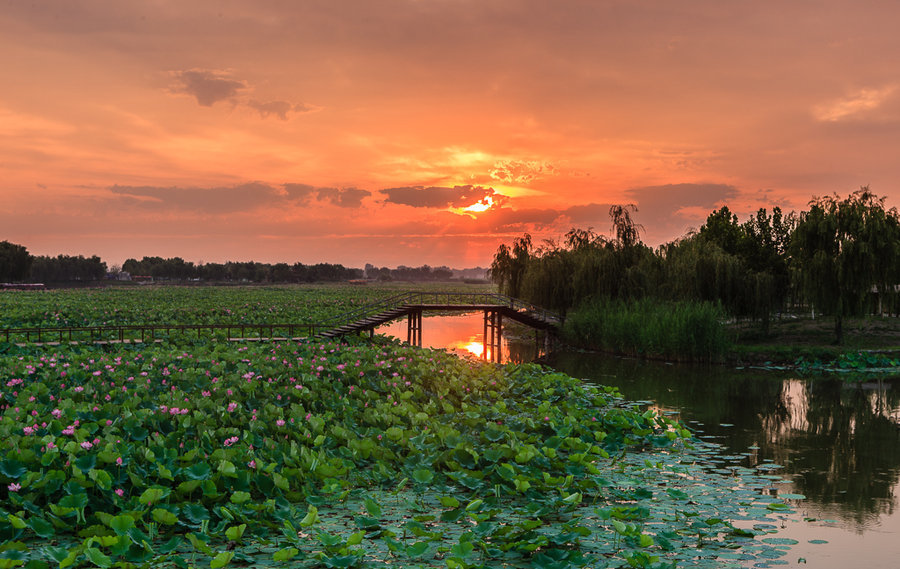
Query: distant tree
[[442, 273], [15, 262], [843, 248], [281, 273]]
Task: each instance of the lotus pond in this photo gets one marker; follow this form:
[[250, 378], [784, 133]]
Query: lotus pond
[[314, 454], [125, 305]]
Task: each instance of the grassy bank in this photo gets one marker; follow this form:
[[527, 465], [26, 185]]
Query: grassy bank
[[699, 332], [677, 331], [803, 341]]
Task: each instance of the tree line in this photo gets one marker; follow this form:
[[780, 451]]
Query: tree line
[[18, 265], [176, 268], [841, 257], [404, 273]]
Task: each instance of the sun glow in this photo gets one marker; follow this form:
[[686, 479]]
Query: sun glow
[[481, 205], [476, 348]]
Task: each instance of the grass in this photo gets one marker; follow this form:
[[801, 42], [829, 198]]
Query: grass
[[650, 328]]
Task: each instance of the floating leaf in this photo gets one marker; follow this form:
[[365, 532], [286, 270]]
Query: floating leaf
[[780, 541]]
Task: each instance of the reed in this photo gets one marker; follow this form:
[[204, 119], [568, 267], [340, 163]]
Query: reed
[[679, 330]]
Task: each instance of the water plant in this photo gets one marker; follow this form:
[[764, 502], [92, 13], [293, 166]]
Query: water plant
[[316, 454], [690, 331]]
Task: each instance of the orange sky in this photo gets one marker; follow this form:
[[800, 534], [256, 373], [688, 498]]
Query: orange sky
[[356, 131]]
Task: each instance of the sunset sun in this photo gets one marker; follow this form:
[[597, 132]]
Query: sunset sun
[[480, 206]]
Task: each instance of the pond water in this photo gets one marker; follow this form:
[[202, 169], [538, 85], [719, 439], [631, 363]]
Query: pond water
[[463, 334], [837, 443]]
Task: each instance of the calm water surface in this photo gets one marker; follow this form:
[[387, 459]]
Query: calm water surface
[[838, 444]]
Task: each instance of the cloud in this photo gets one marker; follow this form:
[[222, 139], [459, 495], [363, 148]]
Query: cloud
[[281, 109], [672, 209], [853, 105], [341, 197], [208, 86], [520, 172], [217, 200], [439, 197], [544, 220]]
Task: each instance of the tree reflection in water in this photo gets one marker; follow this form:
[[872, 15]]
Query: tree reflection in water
[[839, 443]]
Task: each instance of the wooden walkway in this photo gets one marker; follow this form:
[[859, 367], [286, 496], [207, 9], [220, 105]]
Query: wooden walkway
[[411, 306]]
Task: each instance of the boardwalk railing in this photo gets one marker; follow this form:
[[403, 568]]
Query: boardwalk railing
[[441, 301], [152, 332]]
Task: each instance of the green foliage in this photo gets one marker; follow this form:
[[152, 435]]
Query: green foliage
[[201, 452], [15, 262], [672, 330], [843, 248], [116, 306], [743, 268]]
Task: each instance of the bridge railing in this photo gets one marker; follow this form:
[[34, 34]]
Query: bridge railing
[[441, 299]]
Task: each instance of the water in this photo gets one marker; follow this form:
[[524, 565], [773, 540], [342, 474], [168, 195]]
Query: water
[[838, 444], [463, 334]]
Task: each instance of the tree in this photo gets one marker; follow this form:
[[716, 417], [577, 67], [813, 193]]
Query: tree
[[845, 248], [15, 262], [627, 231], [508, 267]]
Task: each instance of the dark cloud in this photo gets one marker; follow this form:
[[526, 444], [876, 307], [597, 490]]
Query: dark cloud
[[669, 199], [300, 192], [208, 86], [505, 220], [243, 197], [342, 197], [280, 109], [673, 209], [438, 197]]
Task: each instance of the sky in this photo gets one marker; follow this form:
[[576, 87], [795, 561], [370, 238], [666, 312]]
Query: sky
[[410, 132]]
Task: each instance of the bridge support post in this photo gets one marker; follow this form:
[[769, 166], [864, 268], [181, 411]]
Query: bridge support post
[[493, 334], [414, 328]]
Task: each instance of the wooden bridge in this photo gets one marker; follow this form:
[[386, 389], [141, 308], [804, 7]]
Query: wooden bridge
[[412, 305]]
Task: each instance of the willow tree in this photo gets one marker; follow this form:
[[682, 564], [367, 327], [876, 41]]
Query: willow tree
[[508, 267], [844, 249]]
